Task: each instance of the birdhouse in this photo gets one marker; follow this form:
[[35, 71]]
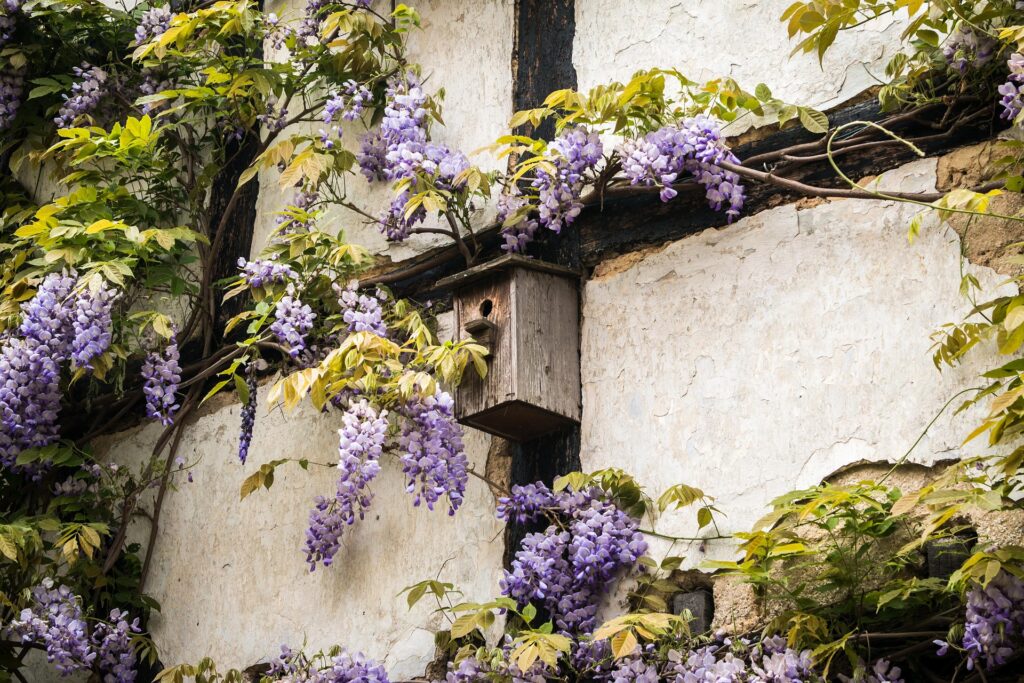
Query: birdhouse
[[526, 313]]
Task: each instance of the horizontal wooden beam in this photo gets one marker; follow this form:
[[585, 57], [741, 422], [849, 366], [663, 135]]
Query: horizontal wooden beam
[[633, 221]]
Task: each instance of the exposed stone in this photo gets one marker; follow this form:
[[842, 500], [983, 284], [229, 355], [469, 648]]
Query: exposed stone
[[737, 608], [987, 241]]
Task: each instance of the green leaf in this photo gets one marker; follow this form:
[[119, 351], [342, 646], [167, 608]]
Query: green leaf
[[813, 120], [242, 387], [528, 613], [703, 517], [464, 625]]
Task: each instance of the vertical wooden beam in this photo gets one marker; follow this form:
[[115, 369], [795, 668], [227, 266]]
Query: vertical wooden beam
[[542, 62], [241, 224]]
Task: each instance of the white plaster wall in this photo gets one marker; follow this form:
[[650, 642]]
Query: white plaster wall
[[759, 358], [231, 575], [744, 39], [464, 48]]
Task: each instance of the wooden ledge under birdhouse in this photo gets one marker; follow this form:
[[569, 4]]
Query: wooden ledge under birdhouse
[[526, 312]]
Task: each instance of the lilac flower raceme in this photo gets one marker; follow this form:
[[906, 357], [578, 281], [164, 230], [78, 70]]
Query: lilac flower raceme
[[30, 365], [520, 233], [361, 312], [277, 31], [432, 454], [968, 49], [292, 322], [91, 323], [12, 84], [302, 201], [1012, 91], [273, 117], [693, 147], [265, 271], [152, 24], [994, 626], [7, 26], [55, 621], [360, 444], [248, 413], [115, 652], [162, 375], [346, 105], [85, 95], [400, 150], [8, 22], [574, 152], [293, 666], [568, 567]]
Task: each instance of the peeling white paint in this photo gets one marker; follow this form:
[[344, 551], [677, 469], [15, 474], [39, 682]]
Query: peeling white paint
[[467, 51], [759, 358], [231, 575], [743, 39]]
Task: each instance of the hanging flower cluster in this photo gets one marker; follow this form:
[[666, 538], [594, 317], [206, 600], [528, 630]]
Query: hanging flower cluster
[[433, 458], [400, 150], [162, 375], [569, 566], [62, 322], [292, 666], [693, 147], [56, 622], [360, 444], [967, 49], [152, 24], [85, 96], [292, 322], [1013, 90], [994, 624]]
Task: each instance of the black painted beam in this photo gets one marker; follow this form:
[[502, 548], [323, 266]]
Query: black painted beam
[[545, 30]]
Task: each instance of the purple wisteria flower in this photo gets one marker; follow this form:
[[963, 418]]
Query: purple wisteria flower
[[433, 458], [294, 666], [30, 366], [520, 232], [693, 147], [968, 49], [1012, 91], [278, 32], [8, 21], [573, 153], [85, 95], [361, 312], [347, 104], [115, 652], [12, 83], [400, 150], [303, 200], [91, 324], [248, 413], [292, 322], [360, 444], [162, 375], [261, 272], [567, 567], [994, 624], [152, 24], [56, 622]]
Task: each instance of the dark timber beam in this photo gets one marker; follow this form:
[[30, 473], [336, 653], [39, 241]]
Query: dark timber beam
[[624, 224], [542, 62]]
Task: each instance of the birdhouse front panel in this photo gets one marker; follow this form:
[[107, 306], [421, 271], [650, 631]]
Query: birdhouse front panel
[[527, 314]]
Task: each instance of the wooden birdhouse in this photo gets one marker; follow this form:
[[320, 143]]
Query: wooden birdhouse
[[526, 313]]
